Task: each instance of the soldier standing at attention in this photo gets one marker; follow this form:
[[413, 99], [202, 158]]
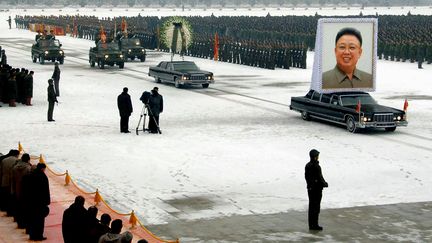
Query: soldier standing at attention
[[56, 77], [9, 20], [51, 99], [315, 184]]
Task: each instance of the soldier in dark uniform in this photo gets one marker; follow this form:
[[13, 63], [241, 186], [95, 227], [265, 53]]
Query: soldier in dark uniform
[[52, 98], [315, 184], [420, 55], [9, 20]]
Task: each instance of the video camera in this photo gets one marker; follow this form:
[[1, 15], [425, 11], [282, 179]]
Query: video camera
[[145, 97]]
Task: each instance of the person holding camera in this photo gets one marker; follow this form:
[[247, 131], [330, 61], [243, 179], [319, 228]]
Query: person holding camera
[[155, 104], [315, 184]]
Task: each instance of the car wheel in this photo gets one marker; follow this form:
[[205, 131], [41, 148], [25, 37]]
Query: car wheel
[[61, 61], [205, 85], [41, 60], [142, 59], [121, 65], [350, 123], [305, 116], [177, 83], [34, 59], [390, 129], [92, 63], [132, 58]]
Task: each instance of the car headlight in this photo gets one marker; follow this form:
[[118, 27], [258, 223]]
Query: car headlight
[[61, 52], [137, 43], [46, 52], [106, 56], [129, 50], [365, 119], [399, 118], [143, 50], [121, 56], [185, 77]]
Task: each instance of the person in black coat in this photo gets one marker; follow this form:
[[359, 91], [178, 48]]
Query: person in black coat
[[315, 184], [28, 88], [56, 77], [155, 105], [52, 98], [38, 194], [124, 105], [74, 221]]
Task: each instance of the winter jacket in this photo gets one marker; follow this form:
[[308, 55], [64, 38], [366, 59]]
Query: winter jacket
[[124, 104], [156, 103], [18, 172], [6, 166], [51, 94], [314, 177]]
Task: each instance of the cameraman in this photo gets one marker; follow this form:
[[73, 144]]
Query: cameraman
[[155, 105]]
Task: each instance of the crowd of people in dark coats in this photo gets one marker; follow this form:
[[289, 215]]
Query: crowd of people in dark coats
[[16, 85], [25, 196], [24, 193], [81, 225]]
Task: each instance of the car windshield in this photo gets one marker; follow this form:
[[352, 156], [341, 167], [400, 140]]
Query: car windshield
[[185, 66], [132, 42], [109, 46], [350, 100], [49, 43]]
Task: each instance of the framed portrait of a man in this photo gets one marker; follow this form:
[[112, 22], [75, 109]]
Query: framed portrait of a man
[[345, 55]]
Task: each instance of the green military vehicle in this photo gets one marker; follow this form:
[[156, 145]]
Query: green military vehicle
[[131, 48], [47, 49], [106, 54]]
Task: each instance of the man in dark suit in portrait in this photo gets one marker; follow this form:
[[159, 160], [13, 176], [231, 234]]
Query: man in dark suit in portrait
[[348, 51]]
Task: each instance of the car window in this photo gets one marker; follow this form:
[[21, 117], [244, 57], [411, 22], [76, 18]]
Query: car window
[[185, 66], [309, 94], [325, 98], [316, 96], [334, 100], [350, 100], [163, 64]]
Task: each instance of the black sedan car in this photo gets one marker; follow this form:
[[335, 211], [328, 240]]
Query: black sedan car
[[355, 110], [181, 73]]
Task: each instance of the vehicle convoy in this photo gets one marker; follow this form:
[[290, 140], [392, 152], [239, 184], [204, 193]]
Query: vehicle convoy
[[47, 49], [355, 110], [131, 48], [181, 73], [106, 54]]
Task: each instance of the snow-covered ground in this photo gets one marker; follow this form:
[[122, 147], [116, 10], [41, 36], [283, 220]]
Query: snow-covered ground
[[236, 144]]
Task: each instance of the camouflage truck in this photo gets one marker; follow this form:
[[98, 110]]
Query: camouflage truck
[[47, 50], [106, 54], [131, 48]]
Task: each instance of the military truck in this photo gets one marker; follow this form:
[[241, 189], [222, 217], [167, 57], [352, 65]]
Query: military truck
[[47, 50], [106, 54], [131, 48]]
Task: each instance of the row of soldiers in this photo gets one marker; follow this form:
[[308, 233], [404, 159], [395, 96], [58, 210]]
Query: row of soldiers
[[269, 55], [396, 37]]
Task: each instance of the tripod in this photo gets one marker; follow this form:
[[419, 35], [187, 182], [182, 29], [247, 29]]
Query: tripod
[[144, 112]]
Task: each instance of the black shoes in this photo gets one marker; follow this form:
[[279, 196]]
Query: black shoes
[[125, 131], [52, 120], [38, 238], [316, 228]]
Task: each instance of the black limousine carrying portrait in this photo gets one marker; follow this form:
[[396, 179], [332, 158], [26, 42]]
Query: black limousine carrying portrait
[[355, 110]]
